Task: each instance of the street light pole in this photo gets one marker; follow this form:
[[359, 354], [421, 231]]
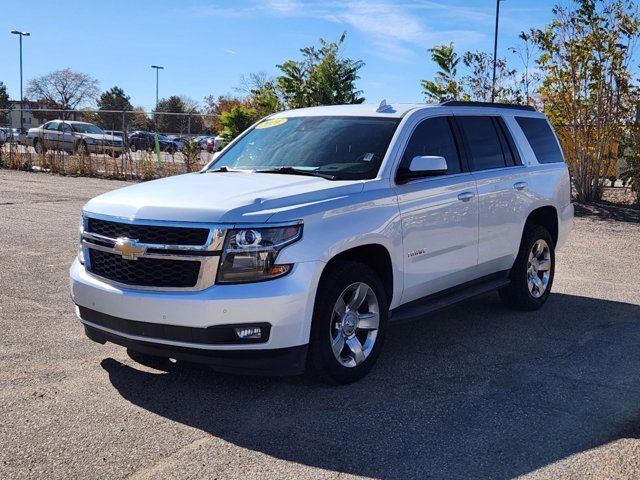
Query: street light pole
[[495, 52], [21, 34], [158, 68]]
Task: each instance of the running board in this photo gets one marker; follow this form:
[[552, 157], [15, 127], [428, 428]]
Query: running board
[[441, 300]]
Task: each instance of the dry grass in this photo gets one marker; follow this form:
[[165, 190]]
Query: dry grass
[[141, 166]]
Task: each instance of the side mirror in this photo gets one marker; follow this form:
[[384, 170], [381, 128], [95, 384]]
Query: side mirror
[[420, 167]]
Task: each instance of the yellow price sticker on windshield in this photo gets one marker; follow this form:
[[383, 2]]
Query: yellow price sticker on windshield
[[274, 122]]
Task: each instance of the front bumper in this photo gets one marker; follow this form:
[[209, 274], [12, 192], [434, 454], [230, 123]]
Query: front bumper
[[286, 304], [95, 148], [279, 361]]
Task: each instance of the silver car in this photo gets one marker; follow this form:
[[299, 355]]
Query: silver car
[[76, 137]]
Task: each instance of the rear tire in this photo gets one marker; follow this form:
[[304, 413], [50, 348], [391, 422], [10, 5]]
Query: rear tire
[[349, 323], [532, 272]]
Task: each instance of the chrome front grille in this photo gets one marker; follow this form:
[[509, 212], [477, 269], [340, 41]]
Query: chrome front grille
[[149, 233], [147, 272], [152, 255]]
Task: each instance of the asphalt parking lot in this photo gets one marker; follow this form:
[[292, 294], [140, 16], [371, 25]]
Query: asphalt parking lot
[[476, 392]]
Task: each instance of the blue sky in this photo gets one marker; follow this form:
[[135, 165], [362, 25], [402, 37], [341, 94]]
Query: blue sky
[[206, 46]]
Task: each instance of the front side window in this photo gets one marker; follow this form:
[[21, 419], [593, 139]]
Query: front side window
[[86, 128], [433, 137], [345, 148], [541, 138], [483, 142], [52, 126]]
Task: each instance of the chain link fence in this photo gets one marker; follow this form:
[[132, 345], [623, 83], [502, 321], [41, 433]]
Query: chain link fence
[[186, 134]]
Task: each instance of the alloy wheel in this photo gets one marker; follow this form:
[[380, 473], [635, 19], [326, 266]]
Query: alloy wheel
[[539, 268], [354, 324]]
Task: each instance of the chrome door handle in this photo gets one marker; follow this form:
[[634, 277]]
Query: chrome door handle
[[520, 185], [466, 196]]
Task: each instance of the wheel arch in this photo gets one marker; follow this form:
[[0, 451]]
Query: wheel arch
[[547, 217], [374, 255]]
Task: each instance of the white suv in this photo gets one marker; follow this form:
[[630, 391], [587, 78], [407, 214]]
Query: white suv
[[296, 246]]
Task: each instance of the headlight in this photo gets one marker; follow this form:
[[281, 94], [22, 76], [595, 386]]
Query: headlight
[[249, 254], [80, 250]]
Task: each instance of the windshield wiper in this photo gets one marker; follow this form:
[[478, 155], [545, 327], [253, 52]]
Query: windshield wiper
[[226, 169], [297, 171]]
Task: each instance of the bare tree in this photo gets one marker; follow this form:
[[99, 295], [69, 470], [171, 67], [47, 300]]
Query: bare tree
[[253, 81], [66, 88]]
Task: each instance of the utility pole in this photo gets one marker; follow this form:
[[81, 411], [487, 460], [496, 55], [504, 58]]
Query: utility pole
[[158, 68], [21, 34], [495, 52]]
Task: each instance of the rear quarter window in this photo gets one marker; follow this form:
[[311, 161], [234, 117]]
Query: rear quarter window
[[541, 138]]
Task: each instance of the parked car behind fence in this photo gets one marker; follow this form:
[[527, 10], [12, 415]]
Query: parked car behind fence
[[75, 137]]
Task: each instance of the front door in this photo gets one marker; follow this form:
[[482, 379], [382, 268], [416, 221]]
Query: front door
[[51, 135], [439, 215]]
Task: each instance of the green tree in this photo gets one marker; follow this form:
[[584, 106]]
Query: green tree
[[630, 159], [445, 86], [588, 93], [476, 85], [266, 99], [322, 77], [528, 80], [138, 120], [479, 82], [190, 118], [236, 121], [113, 99], [5, 104]]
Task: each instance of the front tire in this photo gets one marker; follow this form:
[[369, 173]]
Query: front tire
[[151, 361], [38, 145], [82, 149], [532, 272], [349, 323]]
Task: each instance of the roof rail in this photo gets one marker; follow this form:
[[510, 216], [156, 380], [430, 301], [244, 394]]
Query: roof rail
[[459, 103]]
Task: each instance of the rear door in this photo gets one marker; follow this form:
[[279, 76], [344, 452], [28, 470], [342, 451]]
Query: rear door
[[66, 136], [439, 214], [502, 189], [51, 135]]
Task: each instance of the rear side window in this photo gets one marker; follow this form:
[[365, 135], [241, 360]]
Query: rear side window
[[484, 145], [433, 137], [541, 138]]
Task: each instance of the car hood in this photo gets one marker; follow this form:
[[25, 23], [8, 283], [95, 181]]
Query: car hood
[[231, 197]]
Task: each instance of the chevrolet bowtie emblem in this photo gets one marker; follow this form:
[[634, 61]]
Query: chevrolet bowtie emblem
[[129, 249]]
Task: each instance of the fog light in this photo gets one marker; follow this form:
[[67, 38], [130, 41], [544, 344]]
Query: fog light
[[249, 332]]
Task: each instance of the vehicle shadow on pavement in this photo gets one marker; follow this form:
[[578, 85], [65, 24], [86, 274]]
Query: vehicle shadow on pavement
[[477, 391]]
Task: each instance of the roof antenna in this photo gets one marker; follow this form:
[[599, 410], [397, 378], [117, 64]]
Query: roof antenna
[[383, 106]]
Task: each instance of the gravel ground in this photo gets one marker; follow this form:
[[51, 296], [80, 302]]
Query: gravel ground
[[477, 391]]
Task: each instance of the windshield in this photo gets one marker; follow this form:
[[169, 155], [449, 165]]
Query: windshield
[[86, 128], [347, 148]]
